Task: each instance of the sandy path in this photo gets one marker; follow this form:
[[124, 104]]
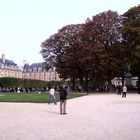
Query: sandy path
[[92, 117]]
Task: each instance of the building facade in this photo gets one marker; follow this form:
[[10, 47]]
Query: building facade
[[38, 72], [34, 71], [9, 69]]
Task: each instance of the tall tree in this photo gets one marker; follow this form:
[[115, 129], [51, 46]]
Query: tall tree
[[131, 36], [84, 50], [101, 33], [59, 48]]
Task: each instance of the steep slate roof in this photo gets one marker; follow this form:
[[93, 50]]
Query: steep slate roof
[[8, 62], [36, 65], [28, 67]]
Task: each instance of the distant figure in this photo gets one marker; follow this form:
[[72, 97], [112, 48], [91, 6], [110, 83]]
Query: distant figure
[[119, 88], [52, 96], [138, 88], [124, 88], [63, 97]]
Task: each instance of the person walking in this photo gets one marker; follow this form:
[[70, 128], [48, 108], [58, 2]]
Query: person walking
[[63, 97], [119, 88], [52, 96], [124, 88]]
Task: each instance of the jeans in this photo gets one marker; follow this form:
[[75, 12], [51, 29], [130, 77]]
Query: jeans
[[52, 99]]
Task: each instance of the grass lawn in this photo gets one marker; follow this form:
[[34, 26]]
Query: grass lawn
[[32, 97]]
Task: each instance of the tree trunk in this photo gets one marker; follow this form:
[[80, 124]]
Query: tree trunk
[[87, 85], [81, 83], [123, 80], [109, 81], [73, 84], [139, 78]]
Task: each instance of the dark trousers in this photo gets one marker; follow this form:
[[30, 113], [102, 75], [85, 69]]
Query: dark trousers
[[139, 90], [124, 94], [62, 106], [119, 92]]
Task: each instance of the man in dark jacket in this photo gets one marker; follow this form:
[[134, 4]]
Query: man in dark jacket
[[63, 97]]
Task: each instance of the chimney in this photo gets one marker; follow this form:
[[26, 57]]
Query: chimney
[[3, 58]]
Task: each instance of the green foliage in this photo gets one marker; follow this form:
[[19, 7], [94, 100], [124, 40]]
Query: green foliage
[[82, 51], [131, 35], [55, 83], [11, 82], [17, 82], [97, 50]]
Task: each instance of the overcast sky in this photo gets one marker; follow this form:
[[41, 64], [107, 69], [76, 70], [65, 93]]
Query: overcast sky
[[24, 24]]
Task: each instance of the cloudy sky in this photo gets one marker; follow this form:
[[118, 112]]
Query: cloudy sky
[[24, 24]]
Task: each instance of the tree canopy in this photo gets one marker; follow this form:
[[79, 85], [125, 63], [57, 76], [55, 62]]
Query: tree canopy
[[131, 36], [99, 49]]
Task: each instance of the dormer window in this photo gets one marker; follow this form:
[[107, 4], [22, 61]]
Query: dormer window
[[39, 69], [24, 70], [2, 65], [34, 69]]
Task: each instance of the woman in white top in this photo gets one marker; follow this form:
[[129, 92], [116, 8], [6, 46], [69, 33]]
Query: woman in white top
[[124, 91], [52, 96]]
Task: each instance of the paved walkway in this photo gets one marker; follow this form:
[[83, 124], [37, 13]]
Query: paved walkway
[[92, 117]]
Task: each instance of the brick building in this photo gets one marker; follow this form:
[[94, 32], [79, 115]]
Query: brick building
[[37, 71], [34, 71], [9, 69]]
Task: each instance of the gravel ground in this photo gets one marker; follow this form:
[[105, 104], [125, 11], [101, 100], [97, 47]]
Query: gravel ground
[[93, 117]]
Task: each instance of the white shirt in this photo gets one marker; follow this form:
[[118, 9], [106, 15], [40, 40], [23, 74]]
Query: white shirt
[[52, 91], [124, 89]]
